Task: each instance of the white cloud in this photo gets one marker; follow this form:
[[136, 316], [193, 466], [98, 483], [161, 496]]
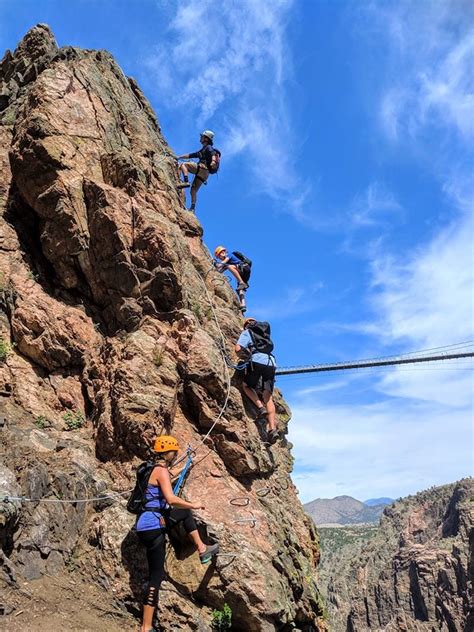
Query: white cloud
[[383, 449], [227, 66], [419, 433], [429, 80], [374, 206]]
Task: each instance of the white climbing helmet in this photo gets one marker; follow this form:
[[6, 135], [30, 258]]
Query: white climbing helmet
[[208, 134]]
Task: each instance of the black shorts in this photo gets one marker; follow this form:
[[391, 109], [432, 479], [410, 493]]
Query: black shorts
[[260, 376]]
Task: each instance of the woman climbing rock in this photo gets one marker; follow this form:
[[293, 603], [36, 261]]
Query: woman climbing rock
[[161, 509]]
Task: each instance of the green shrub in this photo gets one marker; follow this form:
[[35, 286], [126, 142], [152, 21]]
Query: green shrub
[[222, 619], [74, 420], [4, 349], [42, 422]]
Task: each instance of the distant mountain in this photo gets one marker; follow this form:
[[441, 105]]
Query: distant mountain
[[378, 501], [342, 510]]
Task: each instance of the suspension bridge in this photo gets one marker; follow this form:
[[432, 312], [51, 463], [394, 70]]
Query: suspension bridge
[[457, 351]]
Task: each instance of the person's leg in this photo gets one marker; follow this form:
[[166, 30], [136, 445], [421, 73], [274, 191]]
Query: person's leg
[[186, 517], [184, 170], [196, 185], [200, 178], [235, 273], [253, 396], [271, 411], [156, 547]]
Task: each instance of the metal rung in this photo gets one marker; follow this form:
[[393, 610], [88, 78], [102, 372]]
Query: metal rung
[[240, 501], [242, 520]]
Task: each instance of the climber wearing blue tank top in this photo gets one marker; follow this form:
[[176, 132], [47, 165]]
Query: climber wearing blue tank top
[[161, 510]]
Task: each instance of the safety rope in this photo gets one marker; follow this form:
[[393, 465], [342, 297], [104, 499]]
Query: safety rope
[[228, 376], [26, 499]]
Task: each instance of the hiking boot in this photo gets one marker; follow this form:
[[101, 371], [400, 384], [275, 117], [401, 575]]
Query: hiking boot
[[211, 550], [183, 185], [243, 286], [261, 412], [273, 436]]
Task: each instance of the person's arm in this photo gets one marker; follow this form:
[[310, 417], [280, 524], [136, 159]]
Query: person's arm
[[184, 157], [242, 348], [163, 478]]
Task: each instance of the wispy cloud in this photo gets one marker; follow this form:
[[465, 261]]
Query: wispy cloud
[[374, 207], [416, 430], [228, 66], [390, 448], [429, 80]]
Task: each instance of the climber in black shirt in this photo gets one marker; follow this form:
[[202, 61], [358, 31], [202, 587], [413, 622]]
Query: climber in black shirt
[[208, 162]]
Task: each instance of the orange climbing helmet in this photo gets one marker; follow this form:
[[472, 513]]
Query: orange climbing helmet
[[165, 443], [218, 250]]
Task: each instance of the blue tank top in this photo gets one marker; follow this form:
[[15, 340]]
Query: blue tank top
[[152, 516]]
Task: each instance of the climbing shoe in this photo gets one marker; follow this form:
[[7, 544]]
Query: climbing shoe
[[243, 309], [183, 185], [211, 550], [273, 436], [242, 286]]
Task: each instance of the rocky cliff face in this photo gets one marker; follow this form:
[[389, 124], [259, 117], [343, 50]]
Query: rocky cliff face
[[414, 573], [107, 338]]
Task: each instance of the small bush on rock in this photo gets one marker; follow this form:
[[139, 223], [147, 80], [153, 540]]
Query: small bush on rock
[[74, 420], [222, 619], [42, 422], [4, 349]]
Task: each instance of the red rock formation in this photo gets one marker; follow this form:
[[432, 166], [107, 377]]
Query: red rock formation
[[415, 574], [106, 304]]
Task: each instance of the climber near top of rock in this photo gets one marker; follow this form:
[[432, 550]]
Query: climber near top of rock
[[255, 345], [162, 511], [238, 265], [208, 163]]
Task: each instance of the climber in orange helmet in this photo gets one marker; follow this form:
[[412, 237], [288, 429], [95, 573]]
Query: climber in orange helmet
[[162, 509], [239, 266]]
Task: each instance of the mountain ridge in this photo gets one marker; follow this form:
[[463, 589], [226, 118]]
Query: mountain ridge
[[342, 510]]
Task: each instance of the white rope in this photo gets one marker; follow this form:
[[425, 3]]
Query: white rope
[[26, 499]]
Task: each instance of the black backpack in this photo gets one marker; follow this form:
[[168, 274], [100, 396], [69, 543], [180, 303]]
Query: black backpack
[[136, 502], [260, 334], [214, 161], [242, 258], [244, 267]]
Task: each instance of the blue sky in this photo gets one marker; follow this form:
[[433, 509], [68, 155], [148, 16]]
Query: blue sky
[[346, 130]]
